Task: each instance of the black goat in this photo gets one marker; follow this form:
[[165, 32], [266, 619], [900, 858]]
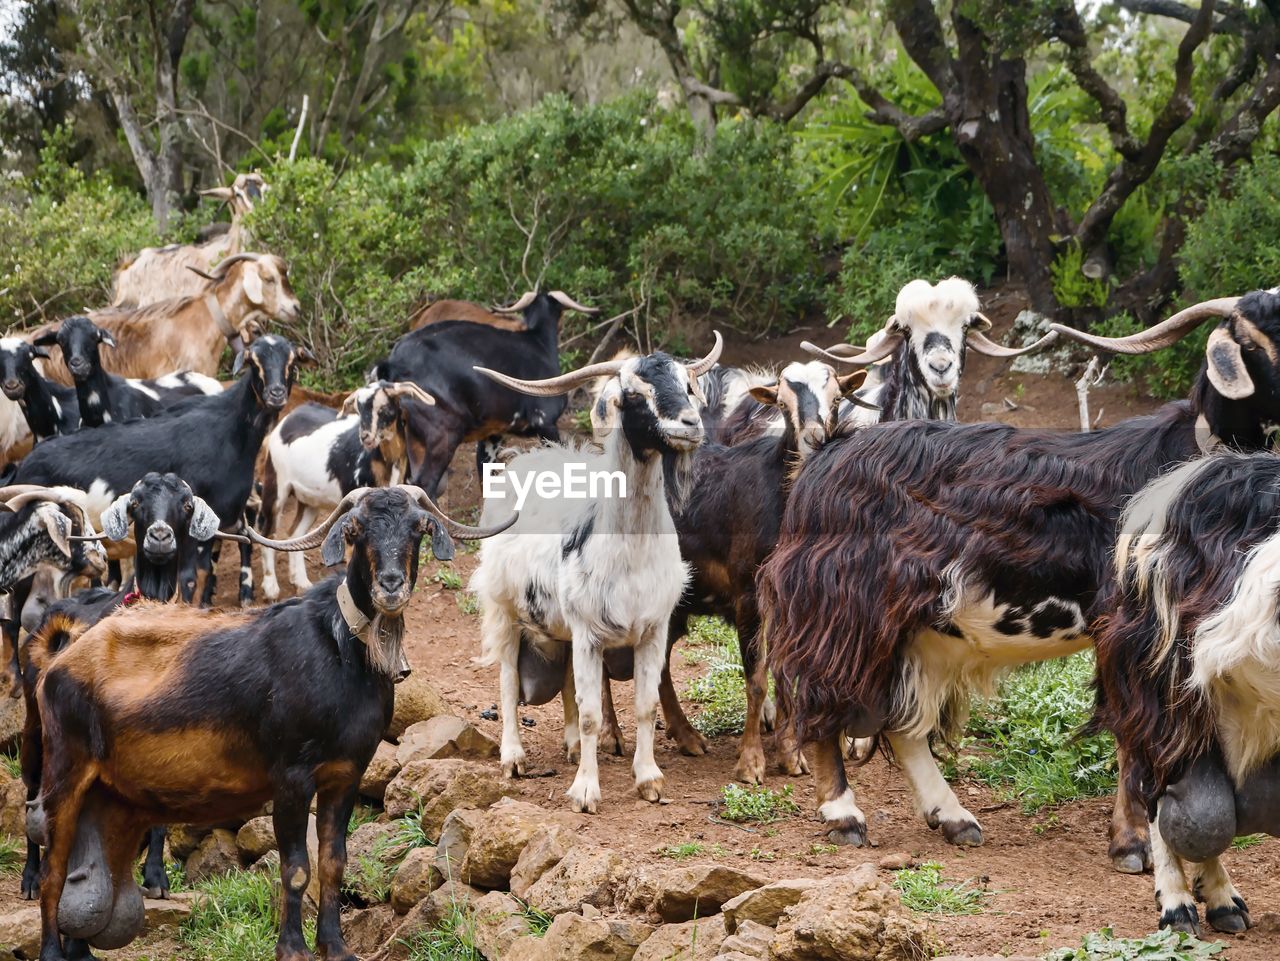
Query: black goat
[[211, 715], [441, 358], [50, 408], [919, 560], [103, 397]]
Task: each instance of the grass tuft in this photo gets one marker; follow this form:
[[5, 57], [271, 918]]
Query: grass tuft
[[369, 876], [923, 890], [467, 603], [1164, 945], [410, 833], [361, 815], [236, 919], [760, 805], [13, 854], [537, 920], [453, 939], [1247, 841], [12, 763], [722, 692], [682, 852], [447, 577]]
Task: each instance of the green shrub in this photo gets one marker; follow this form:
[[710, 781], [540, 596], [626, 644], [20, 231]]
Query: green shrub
[[1071, 287], [1164, 945], [923, 890], [1233, 246], [721, 693], [760, 805]]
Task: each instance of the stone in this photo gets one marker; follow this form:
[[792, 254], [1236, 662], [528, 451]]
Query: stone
[[440, 786], [416, 700], [586, 874], [442, 737], [255, 838], [185, 838], [13, 805], [13, 718], [498, 921], [850, 917], [216, 855], [455, 838], [425, 915], [897, 861], [368, 929], [751, 940], [269, 863], [372, 839], [498, 840], [165, 914], [572, 937], [697, 940], [383, 767], [20, 933], [548, 844], [764, 905], [414, 879], [641, 890], [697, 890]]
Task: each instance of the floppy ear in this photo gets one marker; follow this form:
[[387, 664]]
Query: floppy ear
[[106, 338], [765, 393], [40, 352], [239, 362], [441, 542], [252, 281], [204, 522], [303, 356], [851, 382], [58, 526], [47, 339], [1226, 367], [334, 549], [115, 519], [349, 404]]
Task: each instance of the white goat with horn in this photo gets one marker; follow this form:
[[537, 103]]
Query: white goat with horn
[[575, 581]]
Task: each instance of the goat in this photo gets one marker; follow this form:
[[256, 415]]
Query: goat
[[593, 575], [919, 560], [315, 456], [163, 273], [49, 408], [463, 310], [442, 359], [213, 442], [104, 397], [191, 333], [1187, 674], [15, 432], [213, 714], [170, 521]]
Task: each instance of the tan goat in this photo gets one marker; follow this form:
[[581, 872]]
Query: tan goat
[[443, 310], [157, 274]]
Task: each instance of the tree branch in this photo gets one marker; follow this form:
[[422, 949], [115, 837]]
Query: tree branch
[[1068, 28], [1233, 19]]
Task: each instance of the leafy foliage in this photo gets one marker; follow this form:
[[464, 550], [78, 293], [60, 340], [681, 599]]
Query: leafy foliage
[[722, 691], [923, 890], [13, 853], [1164, 945], [760, 805]]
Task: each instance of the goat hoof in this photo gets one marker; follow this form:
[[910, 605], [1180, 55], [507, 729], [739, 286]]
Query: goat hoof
[[851, 833], [793, 764], [1183, 918], [584, 800], [156, 893], [750, 769], [651, 790], [613, 744], [572, 754], [513, 768], [1128, 863], [962, 833], [690, 742]]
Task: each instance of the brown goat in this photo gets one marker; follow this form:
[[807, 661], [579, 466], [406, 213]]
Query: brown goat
[[464, 310]]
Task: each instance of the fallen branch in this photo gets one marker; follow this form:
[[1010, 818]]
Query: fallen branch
[[1091, 377]]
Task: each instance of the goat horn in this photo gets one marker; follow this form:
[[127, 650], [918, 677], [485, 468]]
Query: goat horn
[[18, 496], [869, 356], [230, 536], [198, 271], [568, 303], [407, 388], [553, 386], [315, 536], [985, 345], [1161, 335], [519, 305], [699, 367], [453, 527]]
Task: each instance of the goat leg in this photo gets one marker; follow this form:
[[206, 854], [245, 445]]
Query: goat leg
[[611, 740], [334, 806], [290, 821], [155, 880], [1130, 848], [837, 806], [750, 767]]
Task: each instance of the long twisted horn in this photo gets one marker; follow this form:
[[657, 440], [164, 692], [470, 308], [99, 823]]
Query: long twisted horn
[[699, 367], [1161, 335], [315, 536], [555, 385], [984, 345], [453, 527], [525, 300], [888, 344], [568, 303]]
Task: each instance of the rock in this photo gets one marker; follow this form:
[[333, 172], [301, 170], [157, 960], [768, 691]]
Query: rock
[[444, 736], [216, 855], [698, 940], [851, 917], [415, 879], [586, 874], [185, 838], [896, 862], [13, 805], [700, 889], [13, 717], [416, 700], [368, 929], [498, 840], [371, 854], [764, 905], [425, 915], [255, 838], [20, 933], [546, 846], [572, 937], [372, 839], [269, 863], [499, 920], [440, 786], [164, 914], [383, 767], [641, 890], [751, 940], [455, 838]]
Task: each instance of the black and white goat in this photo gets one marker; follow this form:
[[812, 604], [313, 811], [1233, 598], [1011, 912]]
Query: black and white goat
[[919, 560], [102, 397], [50, 408], [574, 579], [316, 456]]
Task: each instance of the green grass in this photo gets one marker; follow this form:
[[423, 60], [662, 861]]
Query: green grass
[[760, 805], [923, 890], [721, 693], [409, 832], [820, 848], [1248, 841], [452, 940], [446, 576], [1025, 741], [369, 876], [13, 854], [1161, 946], [538, 921], [236, 920], [681, 852], [361, 815], [467, 603], [12, 763]]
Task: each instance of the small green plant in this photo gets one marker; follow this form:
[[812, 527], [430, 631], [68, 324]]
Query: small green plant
[[13, 854], [12, 763], [361, 814], [537, 920], [758, 855], [722, 691], [410, 833], [1248, 841], [448, 578], [236, 919], [467, 603], [760, 805], [818, 847], [453, 939], [1070, 286], [679, 852], [369, 876], [923, 890], [1164, 945]]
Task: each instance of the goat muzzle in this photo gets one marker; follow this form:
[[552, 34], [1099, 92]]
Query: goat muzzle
[[12, 389]]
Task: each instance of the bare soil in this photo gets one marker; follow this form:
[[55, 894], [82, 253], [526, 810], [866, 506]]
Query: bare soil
[[1048, 876]]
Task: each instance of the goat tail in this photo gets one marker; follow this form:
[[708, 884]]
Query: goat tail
[[55, 635]]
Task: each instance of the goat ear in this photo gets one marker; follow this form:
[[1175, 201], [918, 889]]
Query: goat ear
[[303, 356], [1226, 368], [851, 382], [47, 339], [349, 404], [115, 519], [334, 549], [441, 542], [58, 525], [765, 393], [252, 281], [204, 522], [40, 352], [106, 338], [979, 321], [238, 365]]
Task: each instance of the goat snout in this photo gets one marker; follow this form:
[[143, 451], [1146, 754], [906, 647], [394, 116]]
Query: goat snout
[[160, 542], [276, 396], [391, 583], [79, 367], [12, 388]]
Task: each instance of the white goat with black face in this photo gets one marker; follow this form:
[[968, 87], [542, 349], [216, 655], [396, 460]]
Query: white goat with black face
[[576, 578], [919, 354]]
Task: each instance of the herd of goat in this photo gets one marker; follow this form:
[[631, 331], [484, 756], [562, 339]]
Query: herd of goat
[[879, 559]]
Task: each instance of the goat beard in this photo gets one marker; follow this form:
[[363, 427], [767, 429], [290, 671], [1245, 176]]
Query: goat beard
[[677, 476], [384, 650]]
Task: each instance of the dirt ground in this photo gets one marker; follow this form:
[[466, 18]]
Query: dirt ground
[[1048, 876]]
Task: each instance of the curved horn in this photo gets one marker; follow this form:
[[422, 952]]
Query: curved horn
[[407, 388], [525, 300], [984, 345], [453, 527], [568, 303], [888, 344], [555, 385], [1161, 335], [218, 193], [18, 496], [699, 367], [315, 536], [201, 273]]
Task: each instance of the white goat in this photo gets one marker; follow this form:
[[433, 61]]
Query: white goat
[[575, 579]]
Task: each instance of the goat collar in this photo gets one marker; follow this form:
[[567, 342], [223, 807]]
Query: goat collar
[[360, 626], [219, 318]]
